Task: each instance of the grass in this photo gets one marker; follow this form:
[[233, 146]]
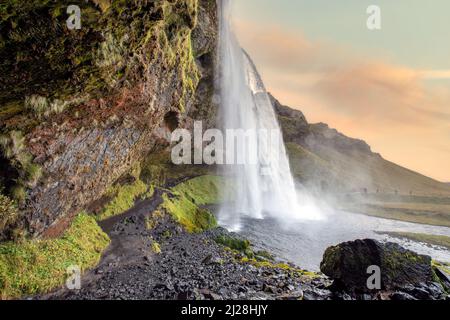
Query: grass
[[155, 172], [158, 169], [38, 266], [8, 213], [124, 198], [437, 240], [13, 148], [424, 210], [445, 267], [185, 201]]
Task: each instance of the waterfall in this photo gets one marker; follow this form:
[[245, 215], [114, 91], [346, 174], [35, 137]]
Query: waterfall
[[264, 187]]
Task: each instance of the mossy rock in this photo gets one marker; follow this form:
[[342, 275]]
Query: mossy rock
[[242, 245], [185, 202], [347, 264]]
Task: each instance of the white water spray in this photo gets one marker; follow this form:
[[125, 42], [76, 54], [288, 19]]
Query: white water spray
[[267, 187]]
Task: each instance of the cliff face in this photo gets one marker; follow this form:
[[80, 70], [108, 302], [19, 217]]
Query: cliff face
[[297, 129], [80, 108]]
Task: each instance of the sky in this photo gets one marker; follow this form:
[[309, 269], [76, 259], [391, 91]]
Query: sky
[[389, 87]]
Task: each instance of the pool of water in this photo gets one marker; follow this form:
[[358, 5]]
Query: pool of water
[[304, 242]]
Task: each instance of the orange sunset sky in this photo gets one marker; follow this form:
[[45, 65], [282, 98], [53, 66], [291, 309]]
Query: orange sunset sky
[[390, 87]]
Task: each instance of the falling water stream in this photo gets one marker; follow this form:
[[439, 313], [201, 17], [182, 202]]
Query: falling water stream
[[264, 187]]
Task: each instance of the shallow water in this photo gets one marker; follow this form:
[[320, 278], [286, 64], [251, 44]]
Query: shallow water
[[304, 242]]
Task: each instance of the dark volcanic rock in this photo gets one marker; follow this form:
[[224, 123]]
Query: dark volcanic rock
[[189, 267], [347, 264]]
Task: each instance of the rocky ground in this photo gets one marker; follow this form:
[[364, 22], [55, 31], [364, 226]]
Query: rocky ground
[[184, 266], [152, 257]]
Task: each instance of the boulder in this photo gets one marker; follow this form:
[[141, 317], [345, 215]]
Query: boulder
[[347, 264]]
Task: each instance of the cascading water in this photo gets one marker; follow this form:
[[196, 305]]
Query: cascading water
[[264, 187]]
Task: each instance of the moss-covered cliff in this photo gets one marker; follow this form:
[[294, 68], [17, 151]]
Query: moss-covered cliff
[[79, 108]]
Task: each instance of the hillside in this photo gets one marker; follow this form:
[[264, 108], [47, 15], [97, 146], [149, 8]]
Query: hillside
[[324, 157], [346, 170]]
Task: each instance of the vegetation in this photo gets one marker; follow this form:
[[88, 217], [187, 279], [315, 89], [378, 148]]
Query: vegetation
[[22, 172], [9, 215], [307, 166], [185, 200], [156, 171], [123, 198], [422, 212], [124, 194], [159, 170], [233, 243], [244, 253], [37, 266], [49, 69], [156, 248], [282, 266], [445, 267]]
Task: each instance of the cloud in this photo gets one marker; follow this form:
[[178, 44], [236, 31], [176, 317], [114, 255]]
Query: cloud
[[397, 109], [435, 74]]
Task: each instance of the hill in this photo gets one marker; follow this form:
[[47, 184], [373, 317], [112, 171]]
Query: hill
[[357, 179]]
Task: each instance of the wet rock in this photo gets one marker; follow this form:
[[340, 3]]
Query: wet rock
[[170, 275], [296, 295], [347, 264], [402, 296], [269, 289], [209, 295], [443, 276], [210, 260]]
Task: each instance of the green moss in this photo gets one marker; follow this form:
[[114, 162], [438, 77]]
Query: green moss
[[185, 201], [279, 266], [27, 173], [156, 248], [37, 266], [233, 243], [443, 266], [46, 66], [8, 212], [172, 35], [10, 109], [159, 170], [264, 254], [124, 198]]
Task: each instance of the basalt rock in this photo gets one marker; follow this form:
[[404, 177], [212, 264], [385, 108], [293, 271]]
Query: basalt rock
[[347, 264], [81, 108]]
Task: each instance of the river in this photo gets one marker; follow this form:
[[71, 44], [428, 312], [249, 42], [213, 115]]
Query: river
[[303, 242]]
